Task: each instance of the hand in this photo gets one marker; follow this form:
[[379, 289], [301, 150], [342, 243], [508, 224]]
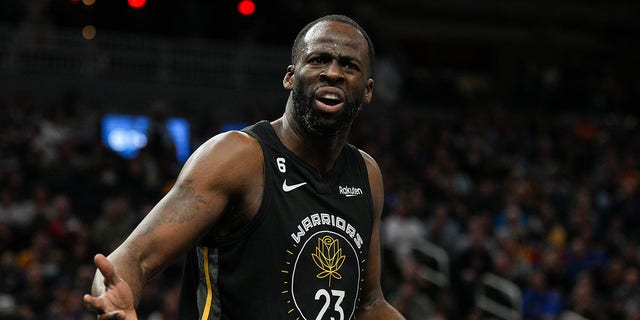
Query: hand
[[116, 302]]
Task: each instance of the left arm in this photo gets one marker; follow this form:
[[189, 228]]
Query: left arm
[[373, 305]]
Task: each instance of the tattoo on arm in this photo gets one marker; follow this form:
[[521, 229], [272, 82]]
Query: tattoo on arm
[[132, 257], [181, 207]]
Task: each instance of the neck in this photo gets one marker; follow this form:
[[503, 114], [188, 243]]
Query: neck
[[319, 152]]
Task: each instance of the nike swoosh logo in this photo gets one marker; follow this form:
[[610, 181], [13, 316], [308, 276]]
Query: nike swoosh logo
[[287, 188]]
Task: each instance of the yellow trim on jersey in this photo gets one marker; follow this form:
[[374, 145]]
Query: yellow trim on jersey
[[207, 305]]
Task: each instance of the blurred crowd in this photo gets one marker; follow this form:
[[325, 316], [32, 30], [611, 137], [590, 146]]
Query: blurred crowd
[[547, 201]]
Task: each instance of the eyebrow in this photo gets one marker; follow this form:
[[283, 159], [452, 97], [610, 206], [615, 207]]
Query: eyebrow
[[341, 58]]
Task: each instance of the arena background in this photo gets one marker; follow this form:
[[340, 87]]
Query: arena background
[[507, 132]]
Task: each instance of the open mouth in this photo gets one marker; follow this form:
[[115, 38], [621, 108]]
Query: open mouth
[[329, 100]]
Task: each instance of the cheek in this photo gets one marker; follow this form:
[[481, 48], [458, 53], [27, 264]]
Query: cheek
[[301, 80], [359, 91]]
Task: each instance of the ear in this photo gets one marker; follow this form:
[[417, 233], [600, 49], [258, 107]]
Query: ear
[[368, 91], [287, 82]]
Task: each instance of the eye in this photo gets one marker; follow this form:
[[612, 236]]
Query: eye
[[351, 66], [316, 60]]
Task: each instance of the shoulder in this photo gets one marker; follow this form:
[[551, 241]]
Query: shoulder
[[372, 166], [375, 182], [227, 158], [233, 143]]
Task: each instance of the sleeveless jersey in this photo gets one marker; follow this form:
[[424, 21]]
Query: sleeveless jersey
[[303, 256]]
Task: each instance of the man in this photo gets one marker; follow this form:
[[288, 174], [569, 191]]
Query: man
[[279, 220]]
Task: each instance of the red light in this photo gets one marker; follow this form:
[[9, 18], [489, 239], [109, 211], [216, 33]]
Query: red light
[[246, 7], [137, 4]]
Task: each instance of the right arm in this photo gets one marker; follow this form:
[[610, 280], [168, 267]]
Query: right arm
[[224, 171]]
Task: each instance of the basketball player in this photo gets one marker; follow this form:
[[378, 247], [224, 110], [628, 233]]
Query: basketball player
[[279, 220]]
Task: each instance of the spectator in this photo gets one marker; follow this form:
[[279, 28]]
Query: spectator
[[442, 229], [472, 262], [539, 301], [401, 230], [113, 225], [584, 300]]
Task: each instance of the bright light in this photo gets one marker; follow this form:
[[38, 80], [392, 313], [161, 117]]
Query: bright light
[[127, 134], [88, 2], [246, 7], [89, 32], [137, 4], [122, 140]]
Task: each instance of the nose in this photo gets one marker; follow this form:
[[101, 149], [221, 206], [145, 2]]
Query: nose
[[333, 73]]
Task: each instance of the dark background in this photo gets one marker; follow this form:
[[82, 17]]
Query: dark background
[[570, 55], [506, 131]]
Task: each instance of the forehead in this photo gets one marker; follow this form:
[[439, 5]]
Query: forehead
[[336, 37]]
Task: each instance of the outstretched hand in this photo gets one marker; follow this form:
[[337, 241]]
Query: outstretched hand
[[116, 302]]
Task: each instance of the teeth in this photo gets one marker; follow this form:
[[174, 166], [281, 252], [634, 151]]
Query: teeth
[[331, 96]]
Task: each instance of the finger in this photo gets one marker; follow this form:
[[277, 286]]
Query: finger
[[93, 304], [106, 268]]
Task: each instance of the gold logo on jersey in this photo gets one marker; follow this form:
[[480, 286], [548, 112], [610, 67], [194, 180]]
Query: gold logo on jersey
[[329, 258]]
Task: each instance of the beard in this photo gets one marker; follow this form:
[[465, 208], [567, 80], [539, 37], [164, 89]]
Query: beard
[[315, 123]]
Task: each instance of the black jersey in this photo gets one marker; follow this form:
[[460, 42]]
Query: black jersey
[[304, 254]]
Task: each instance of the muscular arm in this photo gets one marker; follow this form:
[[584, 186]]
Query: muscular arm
[[373, 305], [223, 171]]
